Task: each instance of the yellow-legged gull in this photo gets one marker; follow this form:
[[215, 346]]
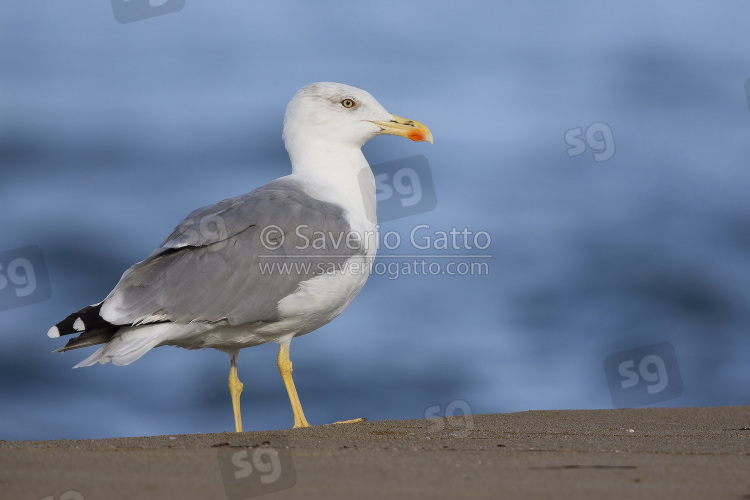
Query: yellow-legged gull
[[267, 266]]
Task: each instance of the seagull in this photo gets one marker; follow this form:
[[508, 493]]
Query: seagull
[[266, 266]]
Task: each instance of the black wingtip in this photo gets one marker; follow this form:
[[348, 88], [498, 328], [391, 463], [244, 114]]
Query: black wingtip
[[87, 319]]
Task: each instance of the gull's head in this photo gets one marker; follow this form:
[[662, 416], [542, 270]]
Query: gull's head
[[331, 114]]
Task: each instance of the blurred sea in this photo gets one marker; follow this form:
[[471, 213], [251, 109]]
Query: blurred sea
[[111, 133]]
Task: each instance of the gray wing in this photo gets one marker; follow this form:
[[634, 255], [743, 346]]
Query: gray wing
[[216, 264]]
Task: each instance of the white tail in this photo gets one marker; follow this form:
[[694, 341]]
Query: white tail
[[130, 343]]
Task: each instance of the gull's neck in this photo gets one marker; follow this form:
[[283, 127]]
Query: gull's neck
[[338, 174], [326, 160]]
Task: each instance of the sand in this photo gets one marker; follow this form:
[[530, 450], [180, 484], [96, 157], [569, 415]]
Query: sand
[[642, 453]]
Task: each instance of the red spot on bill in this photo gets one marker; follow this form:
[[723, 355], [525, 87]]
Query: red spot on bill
[[416, 136]]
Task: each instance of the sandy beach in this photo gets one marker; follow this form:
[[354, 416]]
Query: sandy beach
[[644, 453]]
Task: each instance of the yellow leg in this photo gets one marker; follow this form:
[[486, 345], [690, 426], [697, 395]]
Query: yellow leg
[[235, 389], [285, 368]]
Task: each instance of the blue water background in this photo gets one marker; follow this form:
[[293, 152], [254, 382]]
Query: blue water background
[[111, 133]]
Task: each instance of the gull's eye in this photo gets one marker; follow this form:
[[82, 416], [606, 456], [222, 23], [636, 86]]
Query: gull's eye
[[348, 103]]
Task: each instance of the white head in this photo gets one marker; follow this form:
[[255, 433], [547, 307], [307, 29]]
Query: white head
[[333, 115]]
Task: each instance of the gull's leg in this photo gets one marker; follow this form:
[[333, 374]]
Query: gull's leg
[[285, 368], [235, 389]]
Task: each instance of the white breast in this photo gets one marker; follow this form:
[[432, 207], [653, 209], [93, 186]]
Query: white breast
[[319, 300]]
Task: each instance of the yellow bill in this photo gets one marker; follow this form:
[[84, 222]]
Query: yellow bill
[[405, 128]]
